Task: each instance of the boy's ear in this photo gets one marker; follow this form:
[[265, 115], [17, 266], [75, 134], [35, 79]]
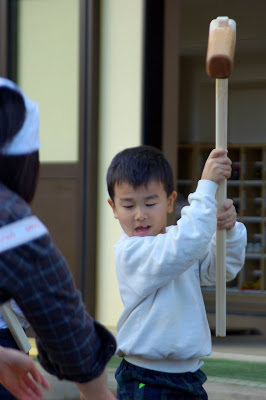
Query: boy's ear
[[112, 204], [171, 200]]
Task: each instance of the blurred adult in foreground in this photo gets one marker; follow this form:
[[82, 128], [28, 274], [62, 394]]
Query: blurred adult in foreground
[[71, 344]]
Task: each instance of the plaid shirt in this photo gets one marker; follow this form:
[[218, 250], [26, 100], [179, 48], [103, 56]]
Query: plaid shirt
[[71, 344]]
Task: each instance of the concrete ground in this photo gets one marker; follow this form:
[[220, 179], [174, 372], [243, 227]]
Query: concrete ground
[[235, 347]]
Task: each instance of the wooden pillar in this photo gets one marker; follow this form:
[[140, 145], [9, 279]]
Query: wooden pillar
[[89, 91], [8, 39], [3, 37], [171, 85]]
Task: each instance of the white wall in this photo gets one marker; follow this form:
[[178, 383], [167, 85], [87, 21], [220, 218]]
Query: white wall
[[48, 67], [120, 127]]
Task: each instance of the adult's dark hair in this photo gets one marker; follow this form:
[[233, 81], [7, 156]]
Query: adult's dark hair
[[139, 166], [18, 172], [12, 114]]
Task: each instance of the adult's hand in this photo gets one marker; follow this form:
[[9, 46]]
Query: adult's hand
[[96, 389], [19, 375]]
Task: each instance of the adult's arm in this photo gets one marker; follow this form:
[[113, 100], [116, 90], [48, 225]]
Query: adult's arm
[[71, 344], [95, 389]]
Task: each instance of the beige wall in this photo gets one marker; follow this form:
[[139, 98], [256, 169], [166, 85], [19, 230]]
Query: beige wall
[[120, 127], [48, 62]]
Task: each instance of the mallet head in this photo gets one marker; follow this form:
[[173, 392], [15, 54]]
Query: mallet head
[[221, 47]]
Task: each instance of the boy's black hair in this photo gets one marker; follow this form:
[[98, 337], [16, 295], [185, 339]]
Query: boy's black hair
[[19, 173], [139, 166]]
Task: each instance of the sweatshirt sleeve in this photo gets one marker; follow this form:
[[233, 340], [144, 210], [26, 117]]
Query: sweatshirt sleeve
[[236, 241], [148, 263], [71, 344]]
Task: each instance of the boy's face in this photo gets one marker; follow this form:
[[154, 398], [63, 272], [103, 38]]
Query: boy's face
[[142, 211]]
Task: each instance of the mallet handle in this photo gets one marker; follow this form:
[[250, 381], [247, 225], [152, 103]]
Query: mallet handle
[[221, 143], [15, 327]]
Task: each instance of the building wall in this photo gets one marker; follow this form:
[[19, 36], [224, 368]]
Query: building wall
[[48, 72], [49, 58], [247, 89], [120, 127], [246, 101], [48, 67], [246, 129]]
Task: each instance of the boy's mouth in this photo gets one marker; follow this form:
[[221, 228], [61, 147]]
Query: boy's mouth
[[142, 230]]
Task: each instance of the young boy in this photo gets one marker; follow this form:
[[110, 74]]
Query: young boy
[[163, 330]]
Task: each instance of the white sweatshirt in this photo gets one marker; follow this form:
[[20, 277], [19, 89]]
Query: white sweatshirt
[[164, 325]]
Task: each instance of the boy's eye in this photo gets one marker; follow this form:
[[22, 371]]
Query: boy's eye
[[150, 205], [128, 206]]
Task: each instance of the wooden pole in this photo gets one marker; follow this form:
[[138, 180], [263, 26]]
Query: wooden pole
[[221, 143], [219, 64], [15, 327]]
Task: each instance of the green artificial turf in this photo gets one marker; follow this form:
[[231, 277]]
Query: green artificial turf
[[114, 362], [249, 371], [232, 369]]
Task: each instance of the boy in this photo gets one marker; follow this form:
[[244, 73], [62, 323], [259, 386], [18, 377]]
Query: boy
[[163, 330]]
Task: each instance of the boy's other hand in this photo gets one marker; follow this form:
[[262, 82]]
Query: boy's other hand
[[217, 166], [227, 216]]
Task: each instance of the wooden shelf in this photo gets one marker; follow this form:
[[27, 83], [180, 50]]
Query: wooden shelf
[[252, 182], [255, 256], [255, 220]]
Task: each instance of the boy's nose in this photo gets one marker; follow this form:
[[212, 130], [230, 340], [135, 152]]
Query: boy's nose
[[140, 214]]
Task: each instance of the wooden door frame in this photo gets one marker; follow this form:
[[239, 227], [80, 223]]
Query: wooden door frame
[[161, 79], [88, 150], [8, 39]]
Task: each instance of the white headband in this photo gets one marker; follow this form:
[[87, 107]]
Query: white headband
[[27, 140]]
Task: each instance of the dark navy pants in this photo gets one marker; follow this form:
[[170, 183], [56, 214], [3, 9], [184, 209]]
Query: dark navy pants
[[144, 384], [6, 340]]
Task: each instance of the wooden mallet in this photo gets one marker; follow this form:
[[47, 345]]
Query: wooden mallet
[[219, 65]]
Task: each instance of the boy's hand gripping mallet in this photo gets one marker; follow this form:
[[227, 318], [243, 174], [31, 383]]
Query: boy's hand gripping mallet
[[220, 54]]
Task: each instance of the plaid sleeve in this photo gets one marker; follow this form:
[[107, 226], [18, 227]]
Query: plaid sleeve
[[71, 344]]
